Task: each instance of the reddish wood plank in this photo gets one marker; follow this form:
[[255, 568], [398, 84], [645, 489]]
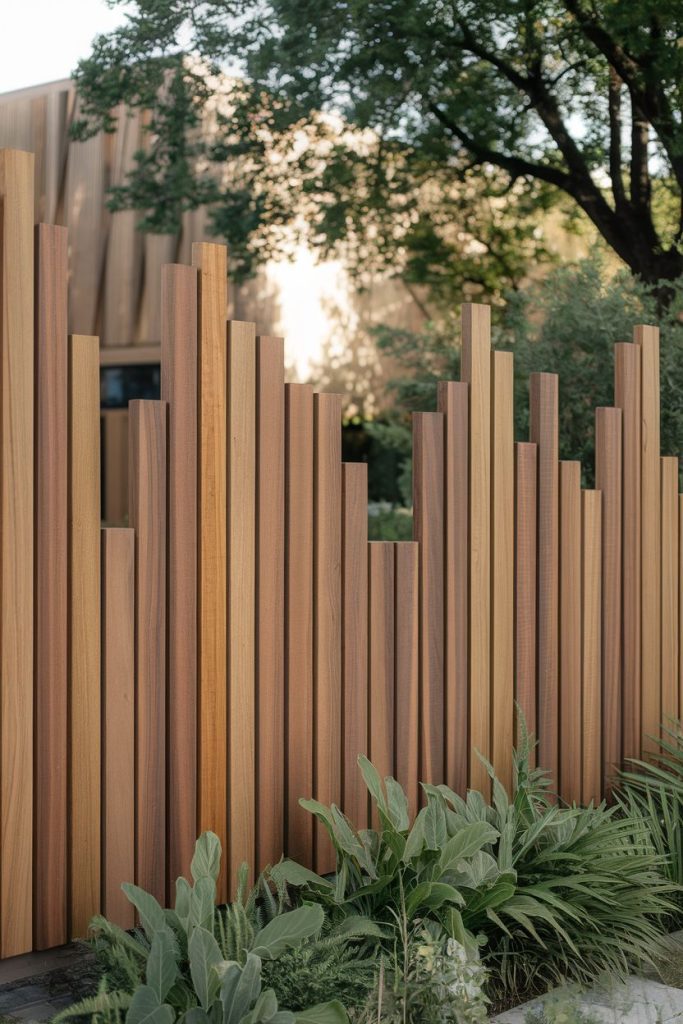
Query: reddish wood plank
[[51, 567], [381, 656], [118, 722], [147, 516], [179, 364], [591, 628], [570, 778], [670, 541], [114, 429], [526, 460], [407, 619]]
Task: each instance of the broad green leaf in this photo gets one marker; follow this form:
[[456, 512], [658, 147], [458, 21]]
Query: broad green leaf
[[327, 1013], [290, 873], [195, 1015], [431, 896], [435, 834], [205, 956], [351, 843], [183, 895], [397, 805], [206, 862], [416, 838], [151, 912], [465, 843], [288, 931], [373, 782], [145, 1008], [162, 964], [239, 993], [203, 903]]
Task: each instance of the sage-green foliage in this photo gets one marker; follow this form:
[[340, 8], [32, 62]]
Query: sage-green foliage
[[197, 963]]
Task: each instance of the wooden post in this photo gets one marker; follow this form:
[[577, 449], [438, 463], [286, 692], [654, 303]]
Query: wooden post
[[670, 597], [570, 632], [381, 576], [526, 459], [406, 669], [591, 629]]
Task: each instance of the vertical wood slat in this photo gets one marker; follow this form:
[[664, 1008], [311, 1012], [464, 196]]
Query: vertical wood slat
[[670, 597], [428, 530], [147, 516], [118, 721], [647, 338], [453, 402], [476, 370], [502, 565], [609, 481], [355, 639], [114, 429], [627, 396], [526, 458], [84, 617], [543, 430], [680, 603], [16, 562], [381, 583], [241, 597], [327, 614], [51, 594], [212, 739], [299, 615], [570, 778], [407, 675], [179, 389], [270, 629], [591, 504]]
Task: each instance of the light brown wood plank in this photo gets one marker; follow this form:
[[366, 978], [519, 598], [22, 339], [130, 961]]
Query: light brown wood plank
[[453, 402], [355, 638], [476, 370], [114, 429], [670, 556], [147, 515], [526, 460], [570, 778], [591, 502], [381, 583], [179, 366], [118, 722], [407, 696], [51, 593], [84, 618]]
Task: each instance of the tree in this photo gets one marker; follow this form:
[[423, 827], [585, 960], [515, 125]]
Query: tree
[[406, 132]]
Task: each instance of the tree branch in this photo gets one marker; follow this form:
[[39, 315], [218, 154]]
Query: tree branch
[[614, 104]]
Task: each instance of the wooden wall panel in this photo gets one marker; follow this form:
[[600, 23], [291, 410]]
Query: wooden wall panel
[[543, 431], [428, 531], [570, 777], [670, 542], [179, 365], [355, 639], [147, 515], [453, 402], [51, 594], [407, 674], [241, 597], [118, 722], [85, 201], [270, 628], [381, 577], [114, 432], [16, 562], [591, 502], [526, 459]]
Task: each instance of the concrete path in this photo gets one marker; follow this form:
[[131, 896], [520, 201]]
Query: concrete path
[[636, 1001]]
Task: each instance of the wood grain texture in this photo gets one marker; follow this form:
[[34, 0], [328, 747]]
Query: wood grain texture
[[118, 722], [212, 737], [428, 531], [543, 431], [241, 597], [299, 616], [570, 778], [476, 370], [179, 381], [84, 619], [381, 582], [147, 489], [526, 474], [591, 503], [680, 602], [670, 597], [407, 674], [355, 639], [627, 374], [502, 565], [609, 480], [647, 338], [16, 561], [114, 431], [327, 614], [453, 402], [270, 626], [51, 592]]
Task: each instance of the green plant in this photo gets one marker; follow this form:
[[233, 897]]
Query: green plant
[[562, 1007]]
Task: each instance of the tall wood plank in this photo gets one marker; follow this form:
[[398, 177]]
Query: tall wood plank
[[299, 616], [406, 647], [381, 582], [591, 502], [212, 738], [543, 431], [147, 516], [270, 628], [570, 778], [327, 613], [476, 370], [651, 543], [502, 565], [241, 596], [84, 618], [670, 597], [428, 531], [51, 611], [680, 602], [526, 459], [355, 639], [608, 480], [453, 402], [627, 374], [118, 722], [114, 429], [179, 390]]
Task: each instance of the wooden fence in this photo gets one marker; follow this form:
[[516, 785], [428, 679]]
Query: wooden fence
[[241, 642]]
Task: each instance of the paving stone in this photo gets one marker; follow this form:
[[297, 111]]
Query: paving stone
[[636, 1001]]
